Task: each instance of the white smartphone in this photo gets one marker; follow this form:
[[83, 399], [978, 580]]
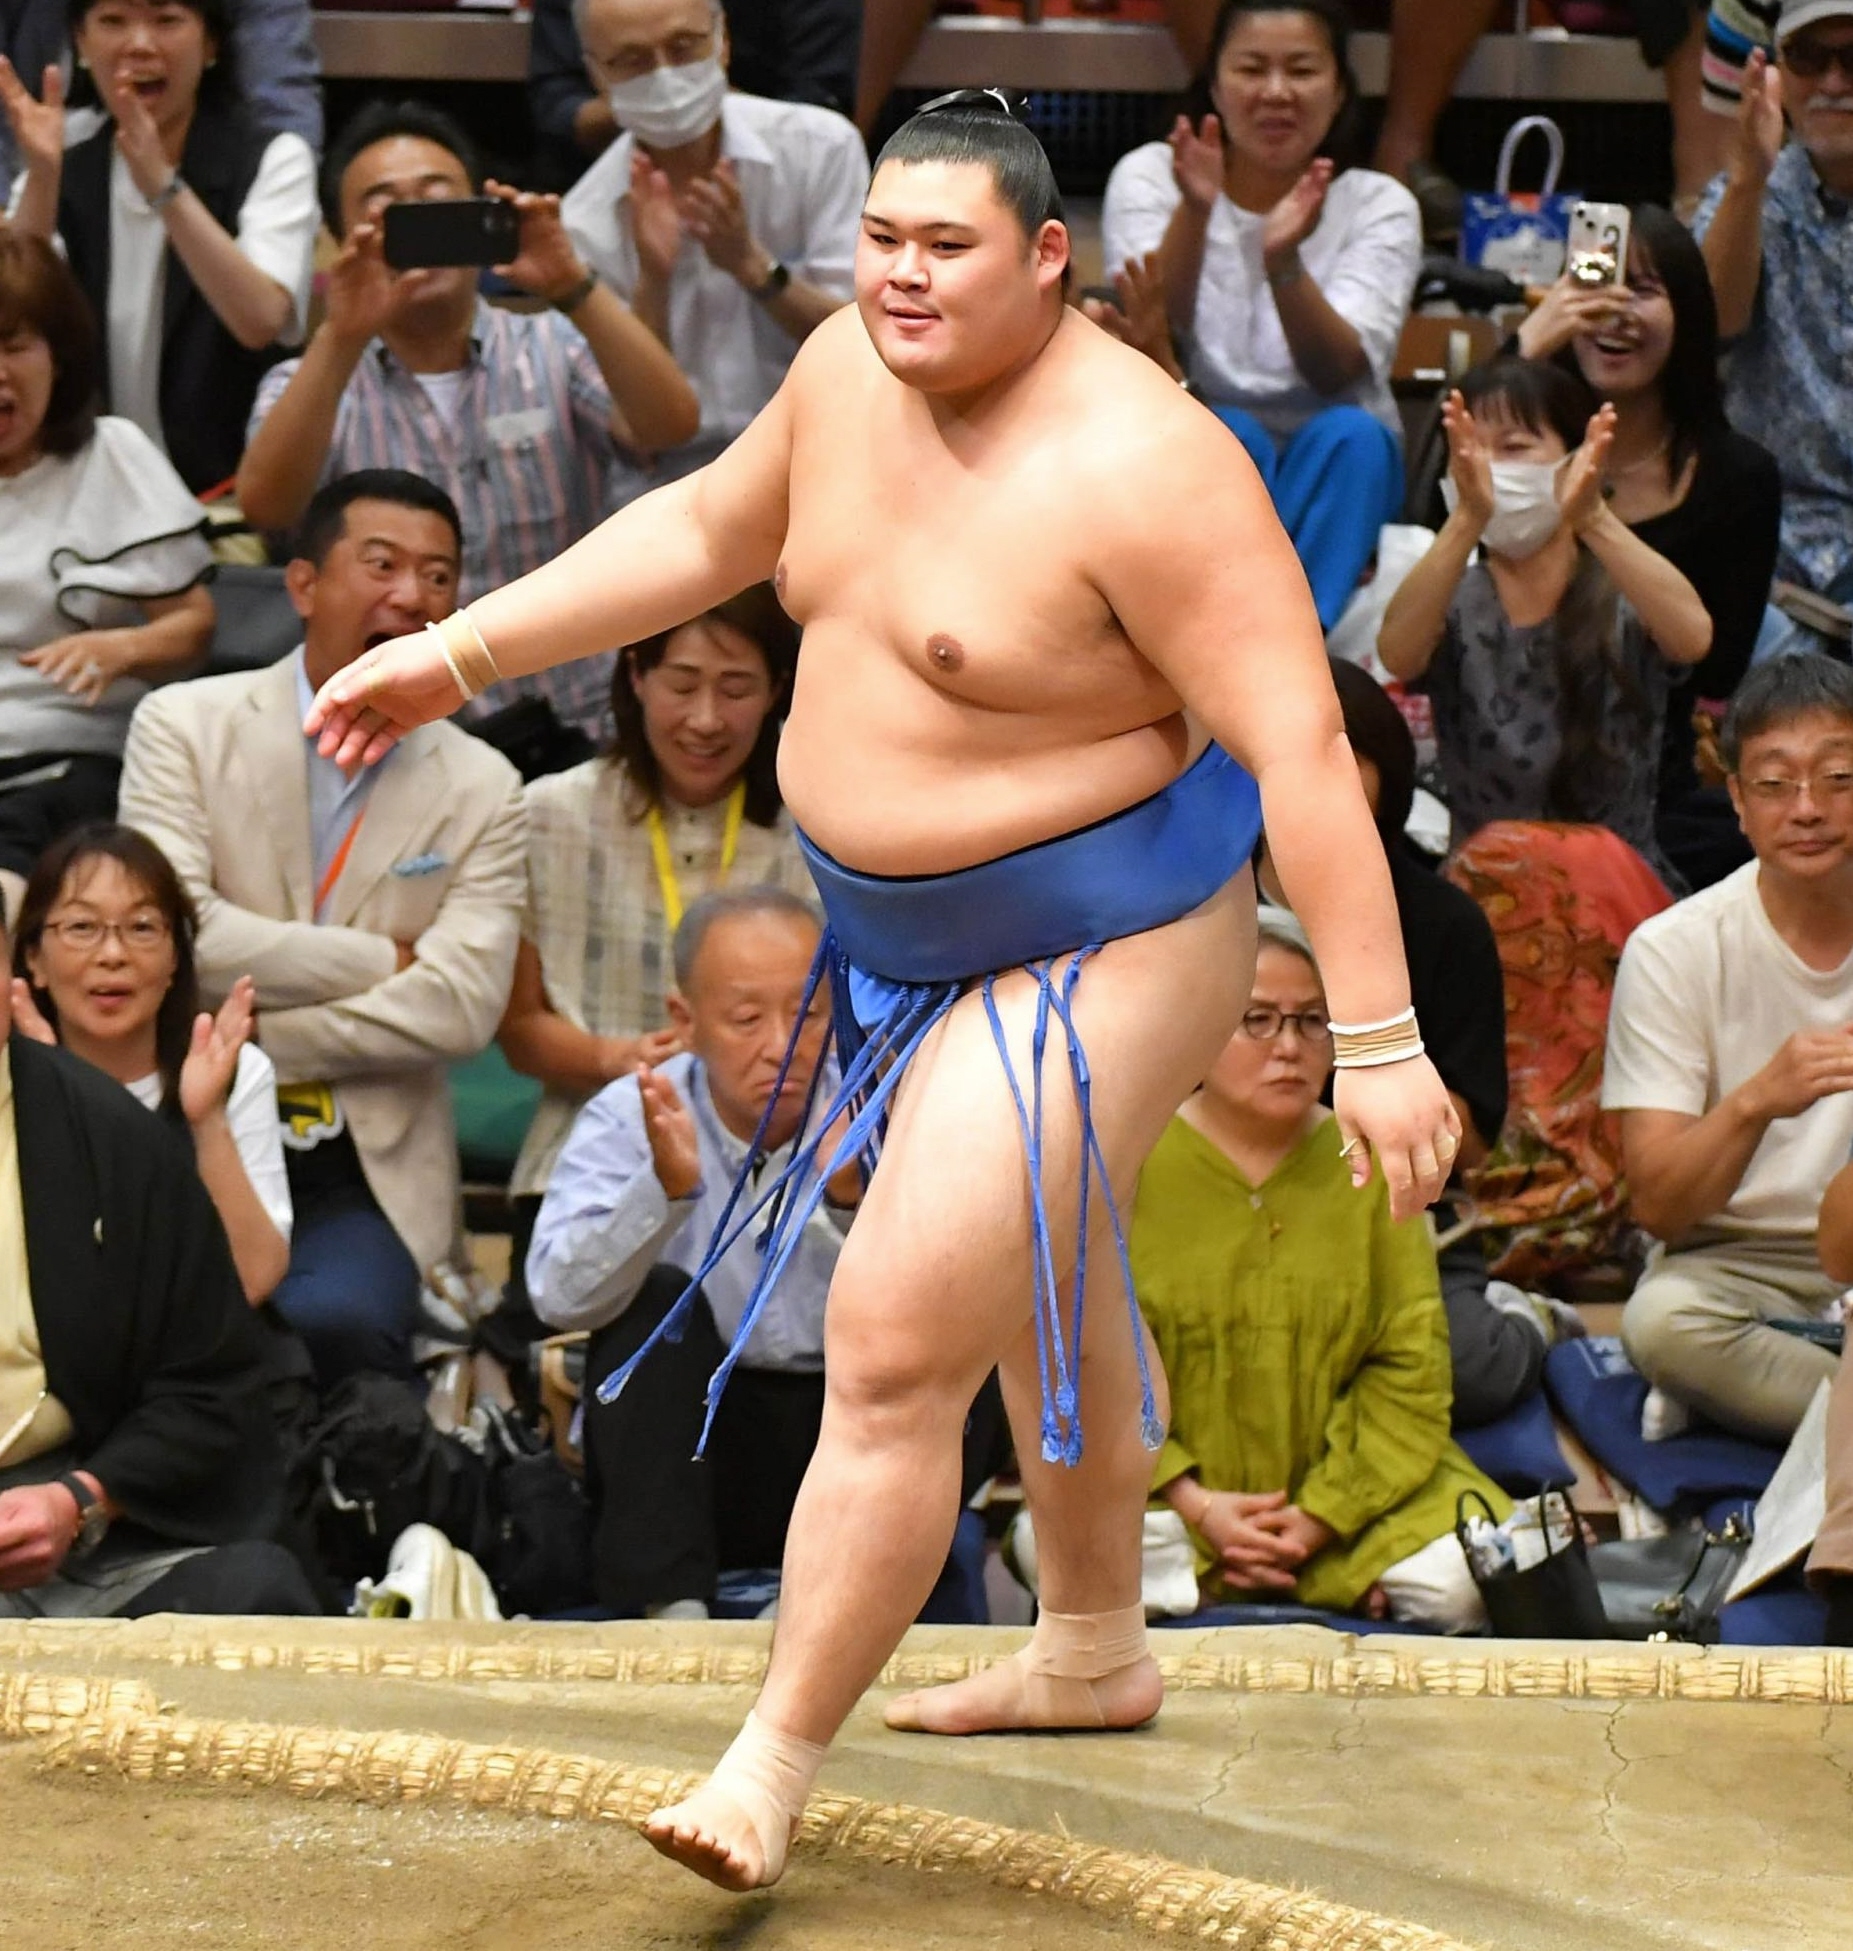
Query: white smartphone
[[1598, 248]]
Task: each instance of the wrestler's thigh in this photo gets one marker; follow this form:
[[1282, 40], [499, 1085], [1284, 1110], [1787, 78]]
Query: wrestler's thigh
[[936, 1275]]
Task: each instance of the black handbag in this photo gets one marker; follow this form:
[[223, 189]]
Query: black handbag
[[1671, 1587], [1554, 1599]]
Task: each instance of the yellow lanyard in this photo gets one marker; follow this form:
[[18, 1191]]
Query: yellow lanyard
[[665, 864]]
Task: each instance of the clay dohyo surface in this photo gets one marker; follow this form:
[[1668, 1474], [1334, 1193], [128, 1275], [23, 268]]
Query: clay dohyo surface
[[1511, 1798], [101, 1863]]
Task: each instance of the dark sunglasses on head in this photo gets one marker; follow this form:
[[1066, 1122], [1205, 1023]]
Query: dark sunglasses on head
[[1810, 60], [989, 101]]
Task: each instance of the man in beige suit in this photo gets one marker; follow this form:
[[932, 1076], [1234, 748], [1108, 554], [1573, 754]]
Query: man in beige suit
[[377, 915]]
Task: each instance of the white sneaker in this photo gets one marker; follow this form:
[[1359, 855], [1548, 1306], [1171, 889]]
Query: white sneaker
[[426, 1577], [1662, 1416]]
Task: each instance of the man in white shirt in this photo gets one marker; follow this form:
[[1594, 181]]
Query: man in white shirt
[[632, 1203], [728, 222], [1730, 1060]]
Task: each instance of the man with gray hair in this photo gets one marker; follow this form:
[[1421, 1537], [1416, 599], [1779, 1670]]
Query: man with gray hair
[[726, 221], [1730, 1060], [634, 1198]]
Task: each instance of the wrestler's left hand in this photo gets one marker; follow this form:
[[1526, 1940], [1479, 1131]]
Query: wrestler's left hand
[[364, 710], [1403, 1113]]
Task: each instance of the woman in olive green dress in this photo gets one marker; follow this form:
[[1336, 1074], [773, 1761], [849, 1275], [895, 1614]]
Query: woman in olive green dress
[[1303, 1334]]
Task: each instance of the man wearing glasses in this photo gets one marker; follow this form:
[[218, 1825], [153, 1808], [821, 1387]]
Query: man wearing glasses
[[1777, 231], [726, 221], [1730, 1060]]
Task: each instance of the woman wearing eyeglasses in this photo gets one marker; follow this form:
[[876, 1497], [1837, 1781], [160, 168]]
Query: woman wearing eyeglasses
[[103, 964], [1303, 1335]]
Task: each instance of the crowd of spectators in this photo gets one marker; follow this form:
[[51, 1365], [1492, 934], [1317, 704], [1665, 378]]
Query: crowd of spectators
[[240, 981]]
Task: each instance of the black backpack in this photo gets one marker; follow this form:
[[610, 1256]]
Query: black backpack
[[374, 1463]]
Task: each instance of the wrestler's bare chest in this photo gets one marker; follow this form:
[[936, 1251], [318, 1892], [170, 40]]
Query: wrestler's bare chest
[[964, 685], [972, 570]]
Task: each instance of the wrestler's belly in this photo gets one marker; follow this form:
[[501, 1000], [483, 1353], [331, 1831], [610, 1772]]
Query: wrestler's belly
[[874, 794]]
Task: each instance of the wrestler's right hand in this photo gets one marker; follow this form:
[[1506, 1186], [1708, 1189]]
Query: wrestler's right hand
[[364, 710]]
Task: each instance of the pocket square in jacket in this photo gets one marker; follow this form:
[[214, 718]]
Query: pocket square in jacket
[[419, 864]]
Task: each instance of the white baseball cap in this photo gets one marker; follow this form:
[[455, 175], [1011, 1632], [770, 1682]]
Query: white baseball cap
[[1797, 14]]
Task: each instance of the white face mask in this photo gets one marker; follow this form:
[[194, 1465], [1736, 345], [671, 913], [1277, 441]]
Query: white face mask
[[1525, 511], [670, 107]]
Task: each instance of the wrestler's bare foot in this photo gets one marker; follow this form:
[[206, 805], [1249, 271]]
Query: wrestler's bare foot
[[712, 1834], [1012, 1696], [736, 1827]]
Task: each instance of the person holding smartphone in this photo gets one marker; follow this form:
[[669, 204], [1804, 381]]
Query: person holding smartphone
[[518, 416], [191, 230], [1686, 482]]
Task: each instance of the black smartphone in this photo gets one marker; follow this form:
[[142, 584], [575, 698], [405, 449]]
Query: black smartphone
[[480, 230]]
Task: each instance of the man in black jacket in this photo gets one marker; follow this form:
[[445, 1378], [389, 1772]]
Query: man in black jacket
[[138, 1469]]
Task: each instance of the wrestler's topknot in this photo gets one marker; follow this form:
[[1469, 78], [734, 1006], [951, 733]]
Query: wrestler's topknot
[[981, 125]]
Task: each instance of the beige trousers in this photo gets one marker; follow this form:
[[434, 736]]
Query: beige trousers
[[1697, 1327], [1833, 1544]]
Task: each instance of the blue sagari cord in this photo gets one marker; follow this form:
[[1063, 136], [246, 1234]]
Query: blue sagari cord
[[872, 1062]]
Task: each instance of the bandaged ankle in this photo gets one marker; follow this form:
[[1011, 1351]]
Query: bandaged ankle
[[1086, 1645], [769, 1775]]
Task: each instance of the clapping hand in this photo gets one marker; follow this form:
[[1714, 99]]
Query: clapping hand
[[1296, 216], [28, 1019], [1757, 139], [715, 214], [211, 1061], [1139, 319], [38, 126], [844, 1187], [1197, 161], [1579, 485], [1811, 1065], [1470, 463], [656, 221], [138, 136], [675, 1149]]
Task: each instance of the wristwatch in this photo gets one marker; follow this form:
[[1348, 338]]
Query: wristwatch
[[167, 192], [776, 281], [92, 1516]]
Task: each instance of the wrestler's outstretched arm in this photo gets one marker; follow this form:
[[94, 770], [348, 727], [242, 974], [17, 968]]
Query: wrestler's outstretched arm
[[1206, 584], [666, 557]]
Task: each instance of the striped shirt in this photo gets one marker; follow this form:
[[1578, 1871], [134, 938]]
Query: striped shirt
[[523, 446], [1735, 29]]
